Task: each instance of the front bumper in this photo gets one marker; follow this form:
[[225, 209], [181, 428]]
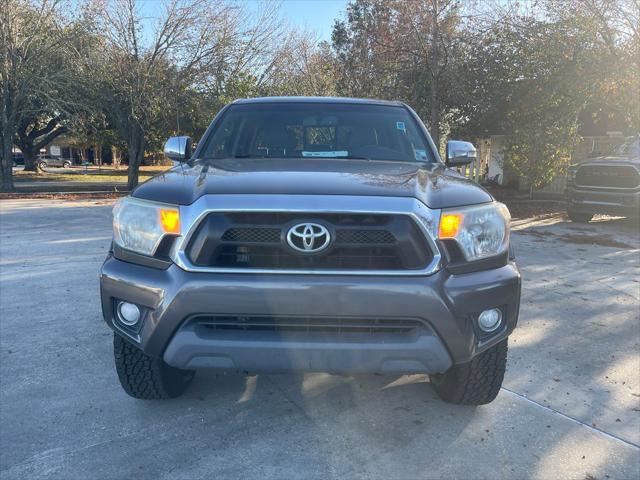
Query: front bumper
[[446, 304], [623, 202]]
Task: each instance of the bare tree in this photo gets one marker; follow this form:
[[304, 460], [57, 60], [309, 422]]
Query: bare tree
[[135, 65], [251, 51], [299, 66], [401, 50], [131, 63], [32, 33], [430, 35]]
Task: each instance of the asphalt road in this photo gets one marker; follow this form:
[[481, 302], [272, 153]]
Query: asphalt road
[[570, 406]]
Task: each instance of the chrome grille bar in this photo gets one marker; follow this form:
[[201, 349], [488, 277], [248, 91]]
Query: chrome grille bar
[[191, 216]]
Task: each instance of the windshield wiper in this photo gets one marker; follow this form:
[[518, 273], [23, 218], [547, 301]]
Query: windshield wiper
[[223, 157], [354, 157], [346, 157], [337, 157]]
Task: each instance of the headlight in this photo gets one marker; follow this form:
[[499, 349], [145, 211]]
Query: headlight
[[571, 174], [139, 225], [480, 231]]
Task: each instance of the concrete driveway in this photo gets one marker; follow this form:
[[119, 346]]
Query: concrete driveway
[[570, 406]]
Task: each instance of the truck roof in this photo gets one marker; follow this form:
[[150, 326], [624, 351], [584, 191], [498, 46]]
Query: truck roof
[[346, 100]]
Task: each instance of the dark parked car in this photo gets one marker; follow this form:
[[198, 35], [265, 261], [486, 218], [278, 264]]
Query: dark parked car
[[18, 159], [312, 234], [606, 184], [47, 161]]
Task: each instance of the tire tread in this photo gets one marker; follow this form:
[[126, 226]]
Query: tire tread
[[145, 377], [476, 382]]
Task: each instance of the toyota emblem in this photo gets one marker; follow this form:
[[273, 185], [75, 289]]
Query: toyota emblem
[[308, 237]]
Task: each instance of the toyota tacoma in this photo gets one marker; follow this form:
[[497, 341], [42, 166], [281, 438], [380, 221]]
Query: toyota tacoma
[[312, 234], [608, 184]]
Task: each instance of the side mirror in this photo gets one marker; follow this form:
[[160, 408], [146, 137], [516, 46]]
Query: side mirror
[[460, 153], [178, 149]]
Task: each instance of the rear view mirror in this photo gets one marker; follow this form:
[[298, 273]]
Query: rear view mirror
[[460, 153], [178, 148]]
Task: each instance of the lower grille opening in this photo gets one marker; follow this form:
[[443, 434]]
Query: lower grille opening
[[310, 325], [259, 256]]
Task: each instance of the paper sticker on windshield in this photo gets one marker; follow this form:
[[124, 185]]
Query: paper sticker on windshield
[[336, 153], [400, 126], [420, 154]]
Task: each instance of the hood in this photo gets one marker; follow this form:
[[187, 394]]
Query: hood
[[433, 184], [613, 160]]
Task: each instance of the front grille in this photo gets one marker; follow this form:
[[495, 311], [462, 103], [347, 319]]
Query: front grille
[[309, 325], [365, 236], [359, 242], [272, 235], [252, 235], [611, 176]]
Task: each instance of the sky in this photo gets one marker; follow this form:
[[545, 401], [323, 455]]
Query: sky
[[317, 15]]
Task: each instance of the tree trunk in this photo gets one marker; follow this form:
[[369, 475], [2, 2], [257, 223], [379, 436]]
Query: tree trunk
[[97, 154], [6, 169], [30, 159], [6, 158], [7, 133], [115, 157], [136, 152]]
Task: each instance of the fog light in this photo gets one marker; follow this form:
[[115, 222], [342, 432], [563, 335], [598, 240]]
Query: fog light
[[128, 313], [489, 320]]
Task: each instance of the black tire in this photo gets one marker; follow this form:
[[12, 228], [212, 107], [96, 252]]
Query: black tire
[[66, 165], [579, 217], [42, 165], [145, 377], [476, 382]]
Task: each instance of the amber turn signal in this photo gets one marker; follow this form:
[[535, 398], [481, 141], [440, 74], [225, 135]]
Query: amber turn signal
[[449, 225], [170, 221]]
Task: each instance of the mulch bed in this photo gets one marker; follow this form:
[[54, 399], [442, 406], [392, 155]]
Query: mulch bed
[[535, 208]]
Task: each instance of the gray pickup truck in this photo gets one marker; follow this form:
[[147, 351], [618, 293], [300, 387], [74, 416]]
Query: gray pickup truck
[[312, 234], [608, 184]]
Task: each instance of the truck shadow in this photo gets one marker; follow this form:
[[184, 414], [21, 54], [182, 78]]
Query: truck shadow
[[387, 411]]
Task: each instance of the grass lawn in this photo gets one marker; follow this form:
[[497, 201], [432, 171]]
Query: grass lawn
[[82, 175]]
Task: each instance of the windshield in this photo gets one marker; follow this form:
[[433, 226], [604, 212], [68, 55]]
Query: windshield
[[318, 130]]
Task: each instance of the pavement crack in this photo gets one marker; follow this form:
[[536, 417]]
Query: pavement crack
[[289, 398], [572, 419]]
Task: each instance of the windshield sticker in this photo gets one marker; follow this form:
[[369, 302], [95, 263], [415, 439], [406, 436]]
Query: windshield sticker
[[332, 154], [420, 154], [400, 126]]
